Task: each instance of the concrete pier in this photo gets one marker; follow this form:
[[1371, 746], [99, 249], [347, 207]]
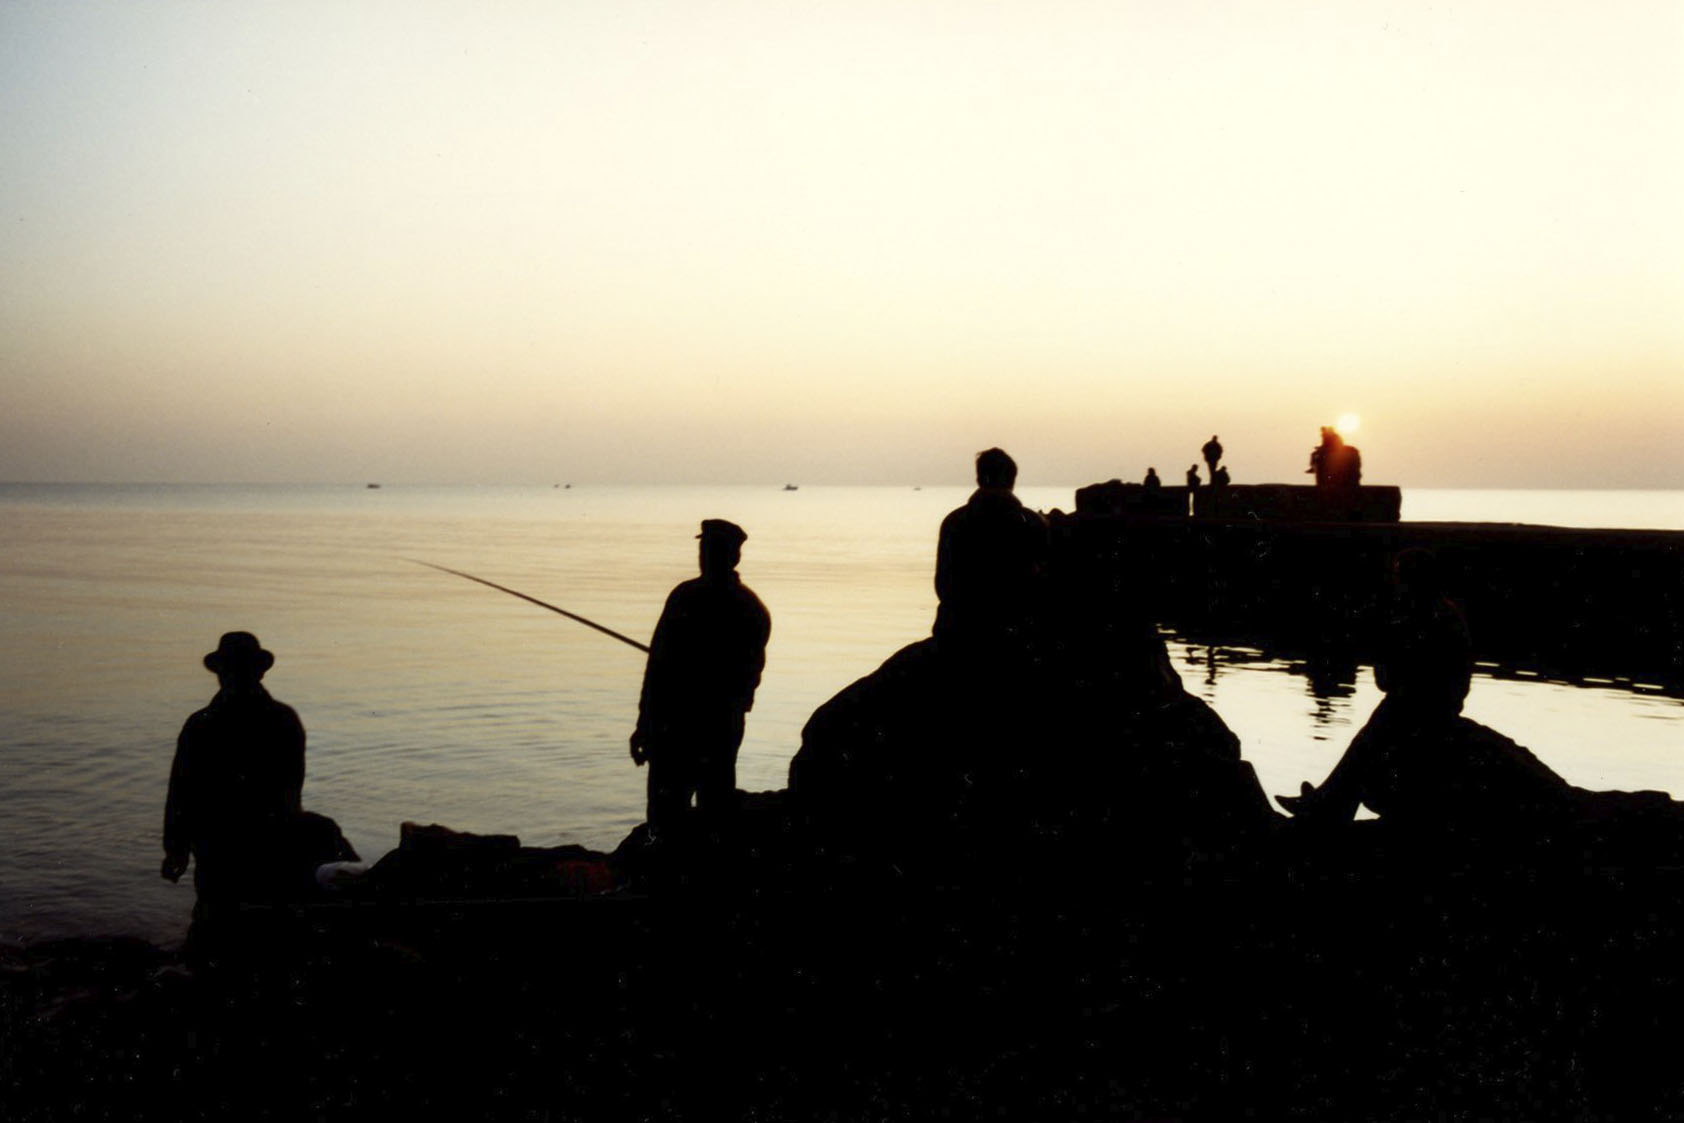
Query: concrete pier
[[1564, 602]]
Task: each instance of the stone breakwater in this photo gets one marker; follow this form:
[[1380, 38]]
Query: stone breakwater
[[1561, 601]]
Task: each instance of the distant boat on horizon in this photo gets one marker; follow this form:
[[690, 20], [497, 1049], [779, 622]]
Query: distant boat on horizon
[[790, 487], [372, 485]]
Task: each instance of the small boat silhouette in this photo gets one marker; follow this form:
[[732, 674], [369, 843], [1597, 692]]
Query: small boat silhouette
[[790, 487], [375, 486]]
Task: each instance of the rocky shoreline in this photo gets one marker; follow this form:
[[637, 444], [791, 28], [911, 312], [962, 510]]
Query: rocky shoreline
[[1387, 982]]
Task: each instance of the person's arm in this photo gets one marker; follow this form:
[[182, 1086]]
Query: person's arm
[[178, 809], [652, 670], [1337, 799], [293, 777], [757, 654]]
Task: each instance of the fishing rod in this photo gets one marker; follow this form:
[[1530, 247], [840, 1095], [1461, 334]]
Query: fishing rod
[[534, 600]]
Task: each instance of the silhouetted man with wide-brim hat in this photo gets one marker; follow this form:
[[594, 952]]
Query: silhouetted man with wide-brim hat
[[705, 662], [235, 786]]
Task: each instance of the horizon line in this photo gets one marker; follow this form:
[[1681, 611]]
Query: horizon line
[[374, 485]]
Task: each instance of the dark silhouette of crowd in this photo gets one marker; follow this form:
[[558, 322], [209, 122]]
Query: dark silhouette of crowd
[[1043, 705], [1019, 839]]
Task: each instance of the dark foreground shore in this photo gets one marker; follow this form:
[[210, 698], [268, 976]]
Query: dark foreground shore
[[1363, 974]]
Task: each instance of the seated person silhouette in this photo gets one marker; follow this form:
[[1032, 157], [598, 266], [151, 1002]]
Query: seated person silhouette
[[1152, 481], [1219, 477], [1417, 759], [1335, 463], [705, 661], [235, 785], [991, 558]]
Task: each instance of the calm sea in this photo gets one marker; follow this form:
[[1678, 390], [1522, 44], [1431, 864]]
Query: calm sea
[[433, 699]]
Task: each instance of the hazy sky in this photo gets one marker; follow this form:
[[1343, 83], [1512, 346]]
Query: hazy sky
[[620, 240]]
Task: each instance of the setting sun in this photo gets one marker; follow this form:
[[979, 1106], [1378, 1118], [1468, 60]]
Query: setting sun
[[1347, 424]]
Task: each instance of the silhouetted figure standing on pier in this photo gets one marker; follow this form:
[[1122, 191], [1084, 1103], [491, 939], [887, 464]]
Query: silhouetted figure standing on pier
[[1152, 482], [705, 662], [235, 786], [991, 558], [1212, 451], [1193, 480]]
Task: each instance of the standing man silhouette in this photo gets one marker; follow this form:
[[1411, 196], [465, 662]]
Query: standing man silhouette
[[1212, 451], [705, 661], [235, 785]]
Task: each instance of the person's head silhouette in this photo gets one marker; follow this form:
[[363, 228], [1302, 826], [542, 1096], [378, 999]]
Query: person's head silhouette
[[995, 469], [721, 546], [239, 660]]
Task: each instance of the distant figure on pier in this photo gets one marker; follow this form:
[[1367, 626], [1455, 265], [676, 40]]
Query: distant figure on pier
[[1213, 454], [991, 557], [1151, 482], [1417, 759], [235, 785], [1333, 462], [704, 666], [1219, 478], [1193, 480]]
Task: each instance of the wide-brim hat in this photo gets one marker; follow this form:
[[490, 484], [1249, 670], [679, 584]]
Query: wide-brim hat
[[239, 651], [720, 530]]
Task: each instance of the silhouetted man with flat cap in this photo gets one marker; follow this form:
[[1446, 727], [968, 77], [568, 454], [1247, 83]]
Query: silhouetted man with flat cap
[[235, 785], [705, 661]]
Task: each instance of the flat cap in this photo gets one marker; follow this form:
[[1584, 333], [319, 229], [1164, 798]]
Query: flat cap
[[722, 531]]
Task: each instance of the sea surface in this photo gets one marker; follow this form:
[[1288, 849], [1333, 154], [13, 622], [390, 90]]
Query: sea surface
[[433, 699]]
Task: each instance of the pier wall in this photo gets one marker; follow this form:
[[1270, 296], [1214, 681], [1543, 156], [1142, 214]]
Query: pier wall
[[1244, 501], [1563, 602]]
